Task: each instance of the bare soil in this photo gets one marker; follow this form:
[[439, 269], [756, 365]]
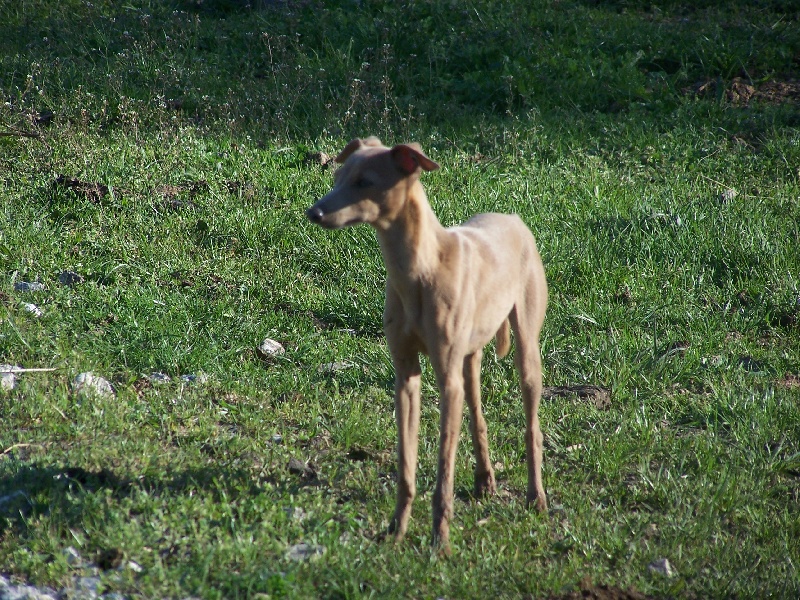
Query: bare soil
[[790, 381], [599, 396], [589, 591], [94, 192], [741, 92]]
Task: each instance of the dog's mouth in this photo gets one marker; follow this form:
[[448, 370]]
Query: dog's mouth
[[328, 225], [318, 217]]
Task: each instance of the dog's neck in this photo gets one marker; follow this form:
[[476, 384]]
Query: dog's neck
[[410, 241]]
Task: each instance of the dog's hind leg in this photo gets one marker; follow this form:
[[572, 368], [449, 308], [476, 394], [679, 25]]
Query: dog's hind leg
[[526, 322], [484, 473]]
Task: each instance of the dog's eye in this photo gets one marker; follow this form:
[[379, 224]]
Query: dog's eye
[[362, 182]]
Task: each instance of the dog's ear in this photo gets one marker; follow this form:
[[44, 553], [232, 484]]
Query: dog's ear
[[410, 157], [355, 145], [348, 150]]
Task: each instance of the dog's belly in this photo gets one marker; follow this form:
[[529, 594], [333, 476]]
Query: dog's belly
[[469, 330]]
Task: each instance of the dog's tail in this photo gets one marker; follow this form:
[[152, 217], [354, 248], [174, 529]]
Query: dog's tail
[[502, 339]]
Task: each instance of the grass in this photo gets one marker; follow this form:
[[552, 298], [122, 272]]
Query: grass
[[186, 127]]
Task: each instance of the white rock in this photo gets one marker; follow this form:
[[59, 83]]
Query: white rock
[[270, 347], [88, 382], [33, 309], [85, 588], [345, 538], [728, 195], [295, 513], [158, 377], [8, 381], [134, 566], [333, 367], [28, 286], [24, 592], [72, 555], [712, 361], [8, 378], [304, 551], [661, 567]]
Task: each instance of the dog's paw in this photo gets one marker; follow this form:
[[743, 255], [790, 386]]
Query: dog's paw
[[485, 485], [443, 550], [395, 532], [440, 546], [538, 502], [389, 536]]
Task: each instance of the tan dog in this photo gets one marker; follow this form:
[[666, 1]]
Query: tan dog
[[448, 292]]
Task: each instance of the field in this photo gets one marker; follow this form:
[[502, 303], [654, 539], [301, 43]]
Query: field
[[156, 159]]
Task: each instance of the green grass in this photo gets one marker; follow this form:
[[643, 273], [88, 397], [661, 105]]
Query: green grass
[[576, 115]]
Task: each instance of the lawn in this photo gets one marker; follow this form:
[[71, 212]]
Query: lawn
[[156, 160]]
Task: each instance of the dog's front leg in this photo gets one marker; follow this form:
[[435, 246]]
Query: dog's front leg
[[449, 376], [407, 409]]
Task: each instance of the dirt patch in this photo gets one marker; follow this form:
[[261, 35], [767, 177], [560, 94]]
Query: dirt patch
[[601, 592], [109, 558], [177, 197], [141, 385], [785, 317], [599, 396], [776, 92], [319, 158], [93, 192], [183, 279], [306, 471], [359, 454], [241, 188], [624, 295], [790, 381], [740, 92], [44, 118]]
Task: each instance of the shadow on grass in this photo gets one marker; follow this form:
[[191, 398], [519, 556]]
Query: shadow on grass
[[69, 491], [308, 69]]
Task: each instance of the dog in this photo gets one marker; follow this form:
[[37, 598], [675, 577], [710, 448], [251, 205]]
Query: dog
[[449, 291]]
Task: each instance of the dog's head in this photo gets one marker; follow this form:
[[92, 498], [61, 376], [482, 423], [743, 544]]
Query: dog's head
[[372, 184]]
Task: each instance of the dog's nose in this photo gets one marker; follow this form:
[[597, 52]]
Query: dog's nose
[[315, 214]]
